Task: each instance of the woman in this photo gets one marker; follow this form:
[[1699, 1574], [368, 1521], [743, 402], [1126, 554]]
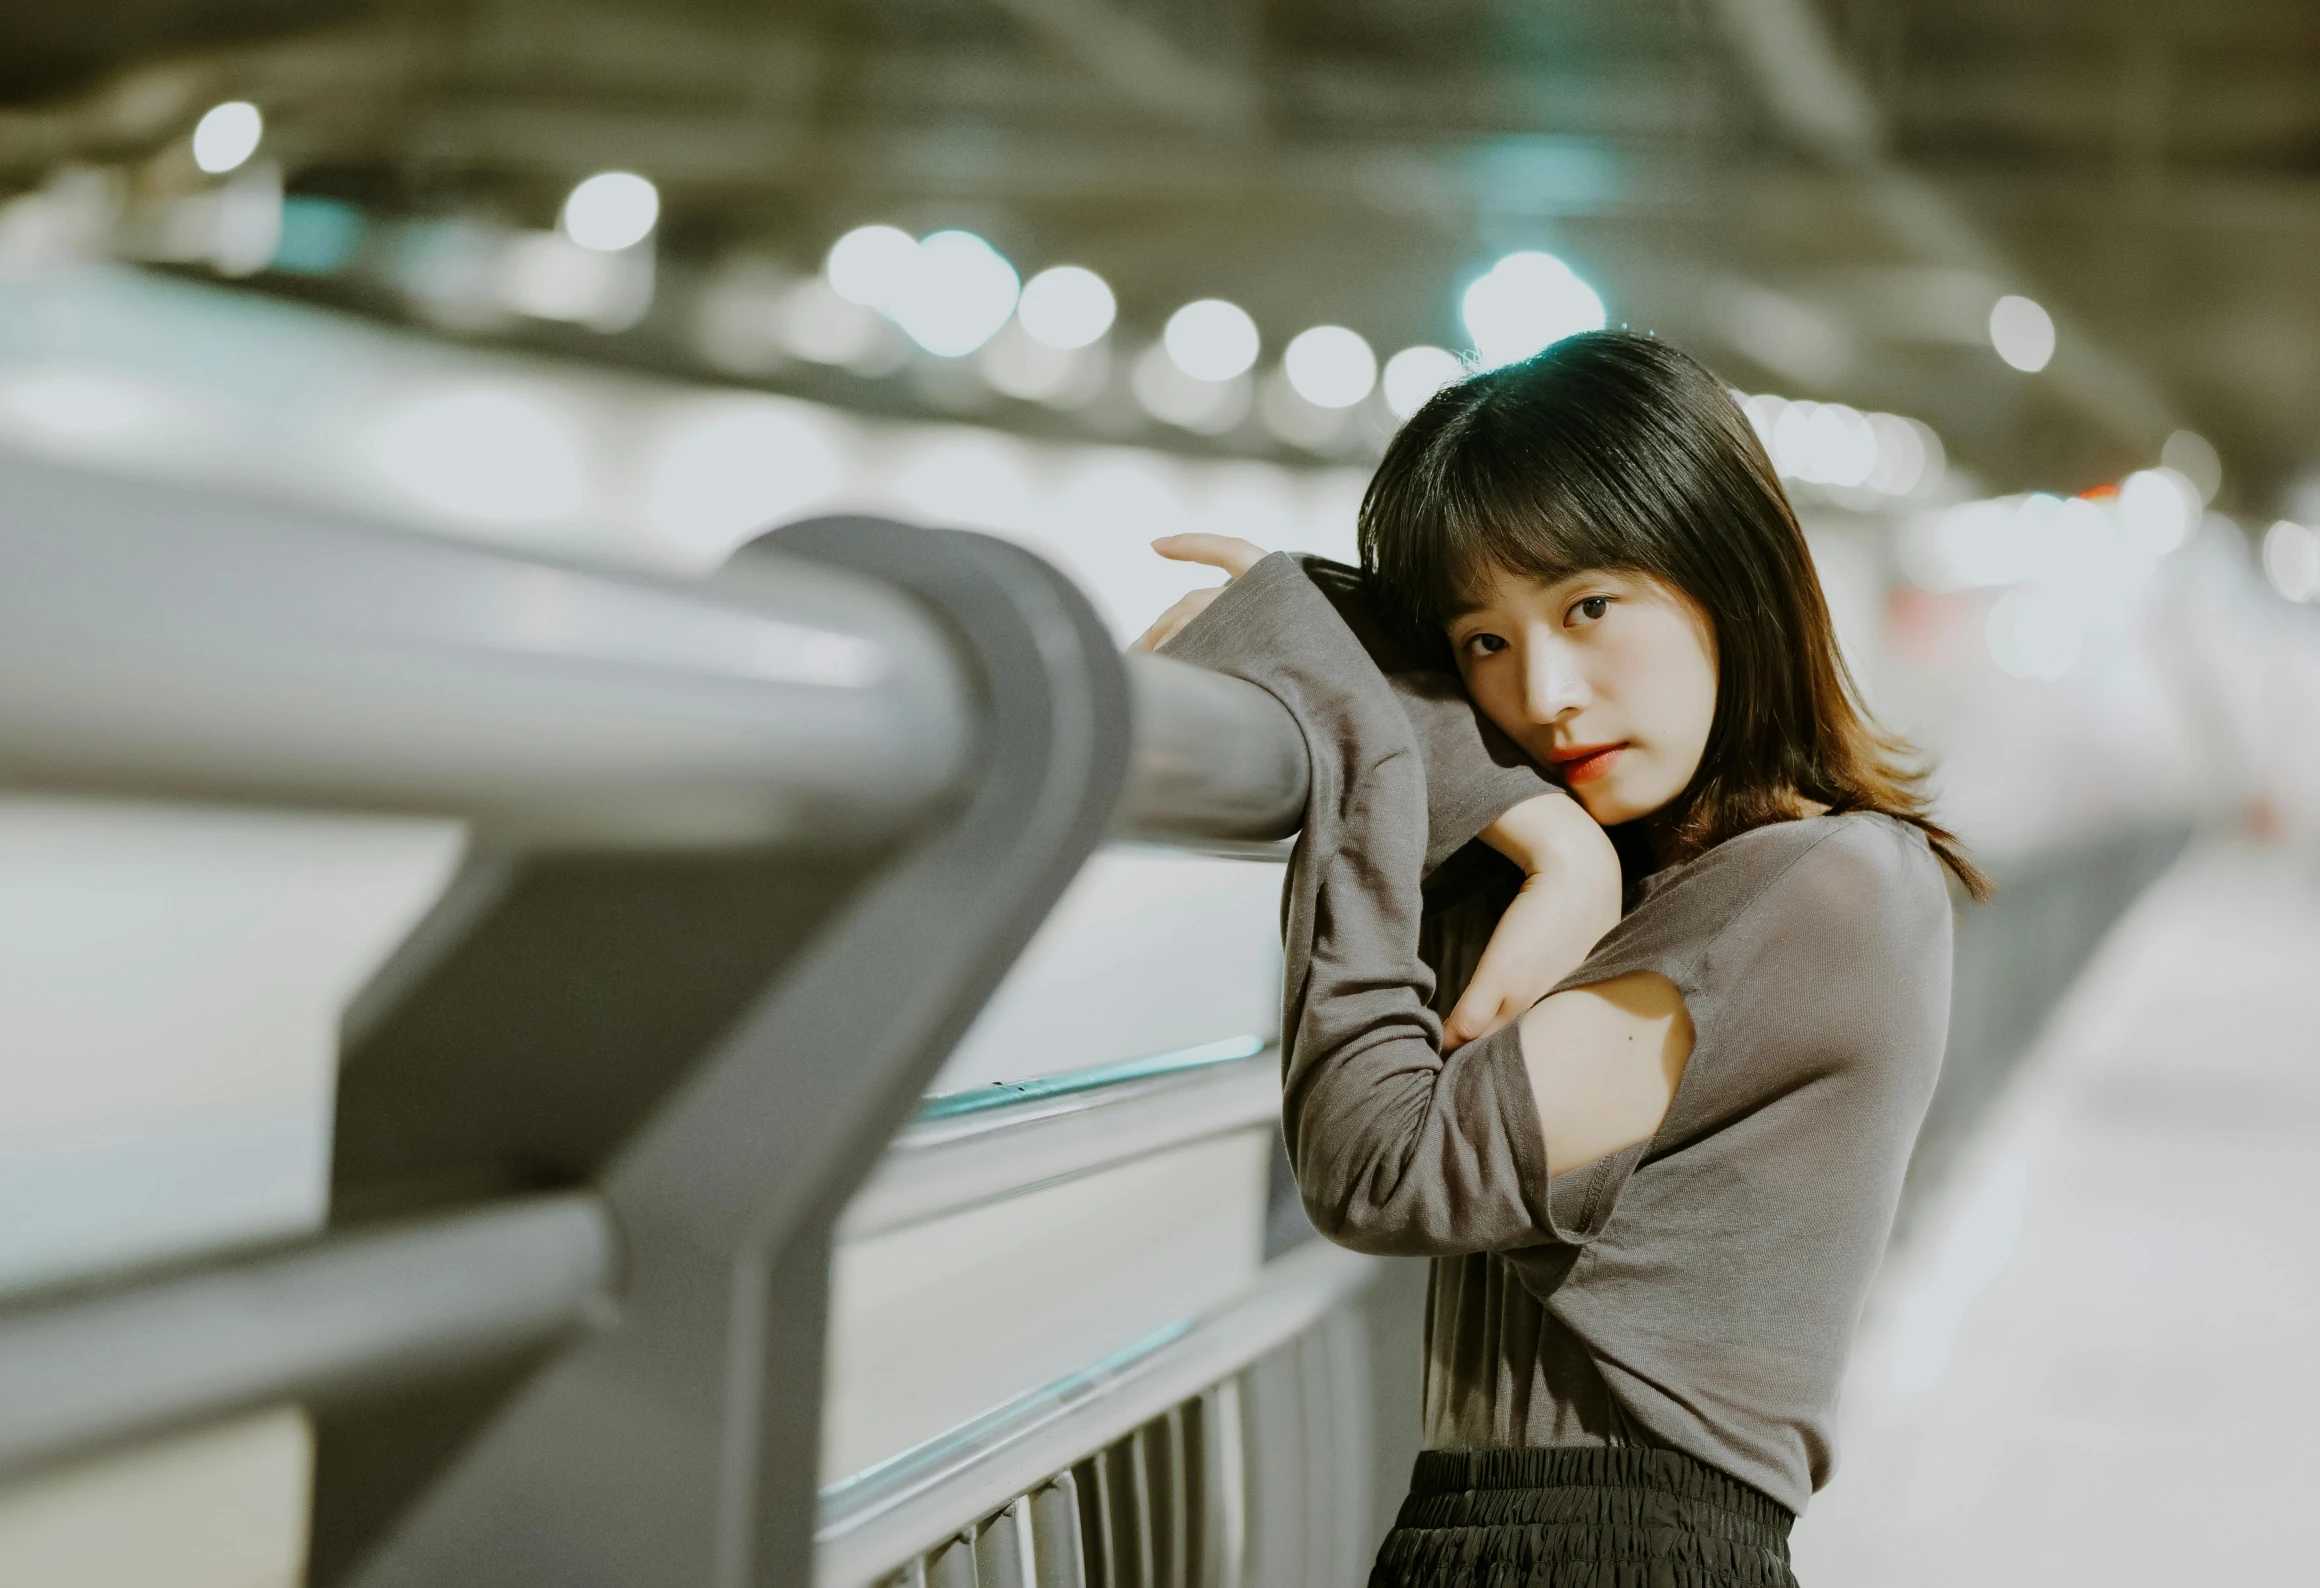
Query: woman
[[1655, 1149]]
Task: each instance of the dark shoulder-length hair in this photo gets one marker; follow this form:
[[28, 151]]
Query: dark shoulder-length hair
[[1612, 450]]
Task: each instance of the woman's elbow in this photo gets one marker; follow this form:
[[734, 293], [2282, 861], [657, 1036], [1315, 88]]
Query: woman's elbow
[[1378, 1230]]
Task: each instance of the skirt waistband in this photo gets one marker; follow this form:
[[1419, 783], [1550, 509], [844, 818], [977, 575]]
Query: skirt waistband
[[1582, 1517], [1684, 1479]]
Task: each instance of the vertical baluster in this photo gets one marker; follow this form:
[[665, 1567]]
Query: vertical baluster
[[1003, 1549], [1318, 1438], [1343, 1339], [1168, 1457], [953, 1565], [1059, 1548], [1274, 1428], [1223, 1486], [1128, 1486], [1098, 1539]]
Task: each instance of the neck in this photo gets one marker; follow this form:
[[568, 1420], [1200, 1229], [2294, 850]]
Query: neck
[[1659, 833], [1640, 851]]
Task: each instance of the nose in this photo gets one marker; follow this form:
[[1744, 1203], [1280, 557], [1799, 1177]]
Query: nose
[[1553, 687]]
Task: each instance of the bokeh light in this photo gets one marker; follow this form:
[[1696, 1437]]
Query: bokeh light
[[1826, 443], [2193, 456], [1330, 366], [550, 277], [71, 406], [2022, 332], [1212, 340], [1066, 306], [2034, 635], [2292, 560], [1905, 454], [1833, 445], [1170, 394], [487, 454], [954, 295], [227, 135], [869, 264], [975, 478], [727, 470], [1527, 302], [2157, 508], [817, 323], [611, 210], [1416, 373]]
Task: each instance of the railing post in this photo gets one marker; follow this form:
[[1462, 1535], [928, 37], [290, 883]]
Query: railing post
[[677, 1446]]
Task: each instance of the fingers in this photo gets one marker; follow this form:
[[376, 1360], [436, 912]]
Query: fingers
[[1468, 1021], [1229, 552], [1171, 622], [1477, 1015], [1234, 555]]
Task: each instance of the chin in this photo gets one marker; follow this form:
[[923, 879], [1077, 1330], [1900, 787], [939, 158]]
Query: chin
[[1612, 805]]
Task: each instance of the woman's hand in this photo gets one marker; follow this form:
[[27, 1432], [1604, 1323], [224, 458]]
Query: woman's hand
[[1569, 899], [1234, 555]]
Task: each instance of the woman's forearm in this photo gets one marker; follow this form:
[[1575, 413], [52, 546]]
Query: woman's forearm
[[1569, 899]]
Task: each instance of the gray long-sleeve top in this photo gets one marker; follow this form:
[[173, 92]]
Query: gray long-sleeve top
[[1699, 1290]]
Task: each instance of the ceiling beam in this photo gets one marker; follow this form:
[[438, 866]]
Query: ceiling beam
[[1141, 63], [1816, 99]]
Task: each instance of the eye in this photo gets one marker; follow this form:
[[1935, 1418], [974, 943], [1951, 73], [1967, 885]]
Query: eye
[[1484, 644], [1592, 608]]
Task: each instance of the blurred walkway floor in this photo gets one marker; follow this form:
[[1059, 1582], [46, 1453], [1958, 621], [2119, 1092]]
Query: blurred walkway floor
[[2098, 1360]]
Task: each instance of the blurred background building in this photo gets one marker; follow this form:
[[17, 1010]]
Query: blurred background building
[[2019, 297]]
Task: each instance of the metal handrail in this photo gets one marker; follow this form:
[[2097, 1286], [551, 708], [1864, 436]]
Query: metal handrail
[[156, 641], [1215, 757], [161, 642], [352, 1313]]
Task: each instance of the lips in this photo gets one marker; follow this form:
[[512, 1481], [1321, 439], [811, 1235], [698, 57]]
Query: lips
[[1583, 763]]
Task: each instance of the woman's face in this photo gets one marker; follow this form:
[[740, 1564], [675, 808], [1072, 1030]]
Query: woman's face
[[1609, 677]]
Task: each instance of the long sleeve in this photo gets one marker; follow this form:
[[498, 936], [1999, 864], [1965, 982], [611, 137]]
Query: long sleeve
[[1397, 1148]]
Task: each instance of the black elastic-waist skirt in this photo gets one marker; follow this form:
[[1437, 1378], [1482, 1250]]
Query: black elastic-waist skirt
[[1582, 1517]]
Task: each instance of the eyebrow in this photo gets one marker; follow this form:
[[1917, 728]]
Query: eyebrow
[[1466, 605]]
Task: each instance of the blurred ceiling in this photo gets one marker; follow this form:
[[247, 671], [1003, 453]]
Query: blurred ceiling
[[1821, 197]]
